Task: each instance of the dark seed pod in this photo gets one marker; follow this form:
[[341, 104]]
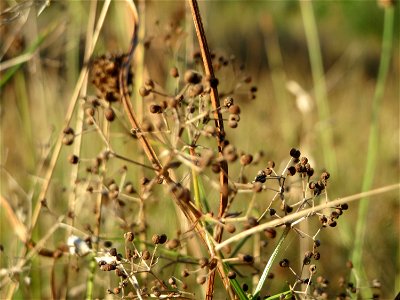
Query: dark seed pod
[[155, 239], [247, 258], [295, 153], [192, 77], [246, 159], [201, 279], [228, 102], [257, 187], [284, 263], [146, 255], [232, 124], [163, 239], [129, 236], [68, 140], [185, 273], [234, 109], [203, 262], [113, 252], [143, 91], [230, 228], [156, 109], [261, 177], [68, 130], [173, 244], [234, 118], [213, 263], [89, 111], [270, 233], [129, 189], [231, 275], [174, 72], [109, 114], [291, 170], [73, 159], [252, 221]]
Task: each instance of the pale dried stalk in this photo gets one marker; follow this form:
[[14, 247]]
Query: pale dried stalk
[[305, 212]]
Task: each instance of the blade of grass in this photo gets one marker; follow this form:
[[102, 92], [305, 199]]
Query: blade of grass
[[29, 52], [270, 261], [321, 94], [372, 151]]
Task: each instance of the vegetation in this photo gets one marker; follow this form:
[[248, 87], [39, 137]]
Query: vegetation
[[171, 150]]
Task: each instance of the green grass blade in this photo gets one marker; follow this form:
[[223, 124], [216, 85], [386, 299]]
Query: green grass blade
[[31, 49], [372, 151], [270, 261], [321, 94]]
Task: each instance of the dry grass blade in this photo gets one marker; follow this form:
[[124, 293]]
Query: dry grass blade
[[305, 212]]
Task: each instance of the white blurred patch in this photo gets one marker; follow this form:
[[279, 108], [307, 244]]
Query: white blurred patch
[[304, 102], [78, 246]]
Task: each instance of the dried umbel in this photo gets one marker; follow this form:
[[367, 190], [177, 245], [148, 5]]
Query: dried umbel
[[105, 76]]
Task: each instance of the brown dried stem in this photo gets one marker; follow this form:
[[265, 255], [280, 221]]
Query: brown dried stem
[[219, 124], [188, 209]]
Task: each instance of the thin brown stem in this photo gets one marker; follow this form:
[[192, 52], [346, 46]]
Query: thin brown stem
[[219, 124]]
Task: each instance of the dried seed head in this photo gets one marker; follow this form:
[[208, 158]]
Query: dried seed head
[[213, 263], [234, 109], [196, 90], [173, 244], [349, 264], [68, 130], [317, 256], [113, 252], [149, 84], [261, 176], [129, 236], [109, 114], [68, 139], [234, 118], [231, 275], [192, 77], [295, 153], [201, 279], [155, 239], [252, 221], [143, 91], [156, 109], [270, 233], [163, 238], [230, 228], [284, 263], [312, 269], [291, 171], [232, 124], [246, 159], [89, 111], [174, 72], [203, 262], [247, 258], [129, 189], [146, 254], [257, 187], [228, 102], [73, 159], [185, 273], [229, 153]]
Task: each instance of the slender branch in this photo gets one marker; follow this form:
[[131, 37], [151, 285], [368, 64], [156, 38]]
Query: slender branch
[[305, 212], [219, 124]]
